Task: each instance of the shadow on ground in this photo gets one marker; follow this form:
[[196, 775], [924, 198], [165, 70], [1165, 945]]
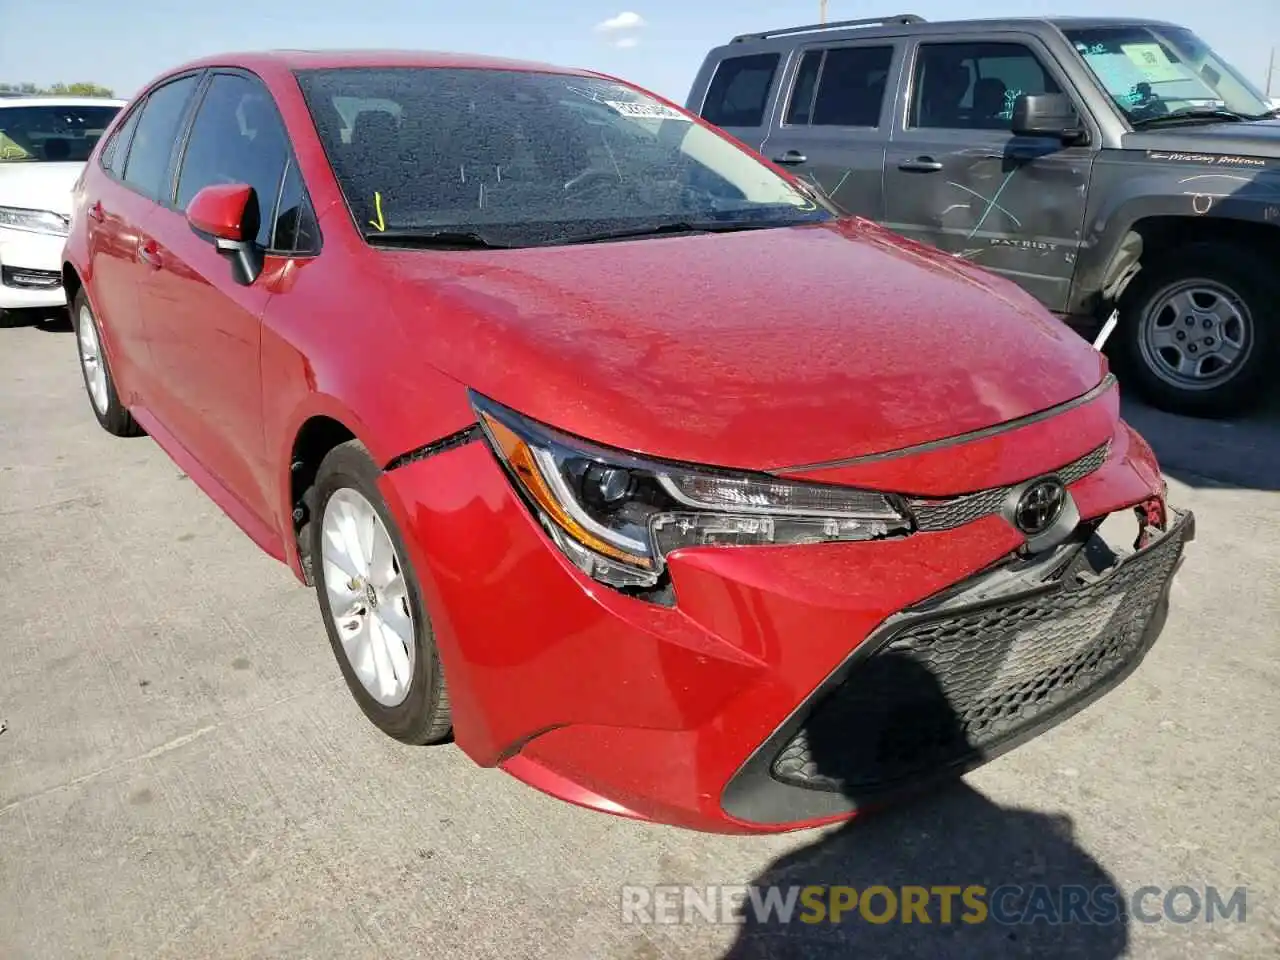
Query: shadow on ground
[[1243, 452], [954, 838]]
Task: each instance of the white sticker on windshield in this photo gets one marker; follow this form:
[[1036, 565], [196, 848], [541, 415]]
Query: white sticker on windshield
[[1150, 58], [646, 111]]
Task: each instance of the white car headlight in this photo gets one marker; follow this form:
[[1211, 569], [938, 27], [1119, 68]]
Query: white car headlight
[[34, 221], [617, 516]]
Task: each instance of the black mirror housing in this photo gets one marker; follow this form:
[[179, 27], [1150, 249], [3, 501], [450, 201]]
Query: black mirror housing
[[1046, 115]]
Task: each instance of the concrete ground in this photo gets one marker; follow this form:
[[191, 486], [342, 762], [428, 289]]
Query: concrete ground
[[184, 774]]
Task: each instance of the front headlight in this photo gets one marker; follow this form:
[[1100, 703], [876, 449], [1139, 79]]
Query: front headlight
[[33, 221], [617, 516]]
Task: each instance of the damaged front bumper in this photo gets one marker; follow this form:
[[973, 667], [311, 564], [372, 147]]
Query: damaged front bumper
[[957, 680]]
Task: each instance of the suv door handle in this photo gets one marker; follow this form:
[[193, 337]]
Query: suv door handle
[[149, 254], [920, 165], [95, 212], [791, 157]]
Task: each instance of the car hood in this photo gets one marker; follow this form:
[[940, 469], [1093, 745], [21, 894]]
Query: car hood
[[38, 185], [1259, 139], [758, 350]]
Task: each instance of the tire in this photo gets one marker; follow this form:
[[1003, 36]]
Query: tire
[[103, 399], [1232, 298], [10, 319], [420, 714]]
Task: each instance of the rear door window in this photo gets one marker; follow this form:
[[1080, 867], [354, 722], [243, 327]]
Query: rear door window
[[237, 137], [841, 87], [739, 91], [147, 166]]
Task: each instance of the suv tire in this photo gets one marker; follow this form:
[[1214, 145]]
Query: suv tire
[[1211, 307]]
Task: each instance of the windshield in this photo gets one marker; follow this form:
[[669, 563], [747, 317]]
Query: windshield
[[51, 133], [1153, 71], [522, 158]]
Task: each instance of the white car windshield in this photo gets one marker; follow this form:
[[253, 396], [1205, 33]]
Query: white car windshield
[[517, 158], [1154, 71], [49, 133]]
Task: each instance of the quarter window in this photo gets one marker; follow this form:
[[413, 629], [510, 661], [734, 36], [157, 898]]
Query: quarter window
[[973, 86], [739, 91], [147, 164], [116, 151], [237, 137], [841, 87], [295, 229]]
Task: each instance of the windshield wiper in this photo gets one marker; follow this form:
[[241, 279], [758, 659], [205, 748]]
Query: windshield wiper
[[675, 226], [1198, 113], [458, 239]]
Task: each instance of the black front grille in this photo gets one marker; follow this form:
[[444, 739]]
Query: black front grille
[[30, 279], [936, 515], [951, 682]]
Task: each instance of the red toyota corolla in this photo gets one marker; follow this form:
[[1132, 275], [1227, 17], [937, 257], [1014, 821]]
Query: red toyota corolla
[[610, 449]]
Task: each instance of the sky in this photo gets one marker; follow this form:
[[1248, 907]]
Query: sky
[[658, 44]]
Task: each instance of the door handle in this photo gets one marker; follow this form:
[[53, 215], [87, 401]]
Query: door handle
[[95, 212], [791, 157], [149, 254], [920, 165]]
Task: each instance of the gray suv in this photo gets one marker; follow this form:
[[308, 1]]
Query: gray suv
[[1115, 169]]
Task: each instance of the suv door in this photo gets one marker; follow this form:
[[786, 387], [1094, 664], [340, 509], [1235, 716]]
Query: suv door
[[833, 127], [957, 178], [133, 164], [204, 327]]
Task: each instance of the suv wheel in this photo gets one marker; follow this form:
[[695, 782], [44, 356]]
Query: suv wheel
[[98, 383], [373, 611], [1198, 328]]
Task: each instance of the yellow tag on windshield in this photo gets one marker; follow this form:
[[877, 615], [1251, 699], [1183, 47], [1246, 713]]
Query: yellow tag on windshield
[[1154, 63]]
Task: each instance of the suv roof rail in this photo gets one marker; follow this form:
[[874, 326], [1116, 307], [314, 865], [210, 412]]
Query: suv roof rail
[[898, 20]]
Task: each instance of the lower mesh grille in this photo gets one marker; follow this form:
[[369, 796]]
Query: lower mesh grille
[[951, 683]]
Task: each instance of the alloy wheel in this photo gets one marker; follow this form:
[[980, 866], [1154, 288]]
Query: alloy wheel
[[368, 598], [91, 360]]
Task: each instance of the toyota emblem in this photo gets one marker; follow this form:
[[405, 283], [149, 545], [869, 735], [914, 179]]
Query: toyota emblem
[[1040, 506]]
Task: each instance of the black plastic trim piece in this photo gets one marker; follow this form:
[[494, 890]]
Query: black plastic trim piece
[[1105, 384], [752, 795], [459, 439]]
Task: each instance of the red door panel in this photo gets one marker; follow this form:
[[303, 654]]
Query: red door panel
[[115, 225], [204, 332]]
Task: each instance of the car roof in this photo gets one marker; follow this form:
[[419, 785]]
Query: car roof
[[337, 59], [60, 102]]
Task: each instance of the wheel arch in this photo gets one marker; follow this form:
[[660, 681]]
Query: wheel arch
[[314, 432]]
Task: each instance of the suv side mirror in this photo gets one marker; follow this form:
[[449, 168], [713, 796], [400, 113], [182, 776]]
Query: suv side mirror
[[228, 214], [1046, 115]]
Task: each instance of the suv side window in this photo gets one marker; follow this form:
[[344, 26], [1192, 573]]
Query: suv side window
[[236, 137], [840, 87], [739, 90], [972, 86], [154, 136], [116, 151]]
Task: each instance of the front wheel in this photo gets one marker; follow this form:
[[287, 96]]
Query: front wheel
[[372, 607], [1198, 329]]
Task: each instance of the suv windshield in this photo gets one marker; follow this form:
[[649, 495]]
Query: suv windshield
[[1155, 71], [514, 158], [51, 133]]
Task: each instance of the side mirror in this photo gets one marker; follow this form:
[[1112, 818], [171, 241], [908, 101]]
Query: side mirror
[[1046, 115], [228, 214]]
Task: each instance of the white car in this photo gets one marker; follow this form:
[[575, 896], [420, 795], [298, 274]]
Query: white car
[[44, 142]]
